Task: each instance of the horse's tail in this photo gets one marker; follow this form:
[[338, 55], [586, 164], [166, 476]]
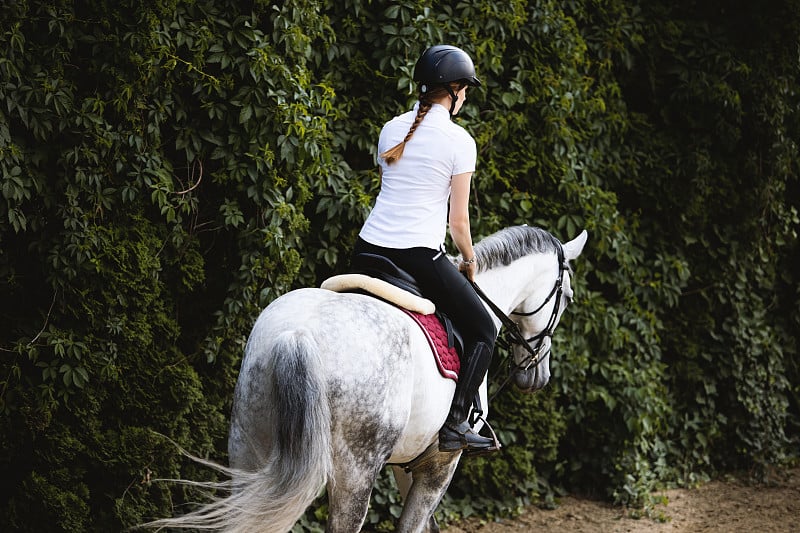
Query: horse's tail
[[298, 463]]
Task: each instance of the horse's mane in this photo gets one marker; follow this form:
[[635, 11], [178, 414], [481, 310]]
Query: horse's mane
[[509, 244]]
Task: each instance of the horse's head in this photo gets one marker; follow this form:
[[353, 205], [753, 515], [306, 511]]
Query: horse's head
[[538, 315]]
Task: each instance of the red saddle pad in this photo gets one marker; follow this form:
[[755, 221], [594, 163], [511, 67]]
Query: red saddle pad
[[446, 357]]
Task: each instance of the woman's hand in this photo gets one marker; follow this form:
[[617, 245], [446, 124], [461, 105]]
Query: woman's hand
[[468, 268]]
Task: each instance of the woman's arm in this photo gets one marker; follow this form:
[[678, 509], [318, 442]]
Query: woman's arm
[[459, 221]]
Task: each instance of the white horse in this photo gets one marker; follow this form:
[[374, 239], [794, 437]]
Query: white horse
[[334, 386]]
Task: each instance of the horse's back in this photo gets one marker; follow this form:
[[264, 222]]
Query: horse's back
[[360, 337]]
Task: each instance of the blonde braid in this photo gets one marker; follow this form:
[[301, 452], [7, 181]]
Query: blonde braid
[[393, 154]]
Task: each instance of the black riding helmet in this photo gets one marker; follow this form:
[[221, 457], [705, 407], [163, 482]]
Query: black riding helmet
[[442, 64]]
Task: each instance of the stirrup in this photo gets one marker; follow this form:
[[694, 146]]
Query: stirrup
[[477, 452]]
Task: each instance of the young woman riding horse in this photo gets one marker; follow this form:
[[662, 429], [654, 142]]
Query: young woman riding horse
[[333, 386], [426, 161]]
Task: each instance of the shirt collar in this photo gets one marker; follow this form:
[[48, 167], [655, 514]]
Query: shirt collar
[[436, 110]]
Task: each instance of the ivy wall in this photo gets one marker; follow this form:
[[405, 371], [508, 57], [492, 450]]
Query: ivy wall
[[167, 168]]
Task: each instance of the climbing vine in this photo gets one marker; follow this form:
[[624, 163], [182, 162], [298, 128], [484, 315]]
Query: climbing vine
[[167, 169]]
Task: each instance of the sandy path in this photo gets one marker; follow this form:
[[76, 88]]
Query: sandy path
[[719, 506]]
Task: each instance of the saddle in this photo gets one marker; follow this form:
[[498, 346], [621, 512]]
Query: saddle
[[378, 276]]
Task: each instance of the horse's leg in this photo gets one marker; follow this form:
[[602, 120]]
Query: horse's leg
[[360, 451], [430, 480], [348, 495], [404, 481]]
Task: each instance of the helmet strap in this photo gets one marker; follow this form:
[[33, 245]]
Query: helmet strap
[[453, 98]]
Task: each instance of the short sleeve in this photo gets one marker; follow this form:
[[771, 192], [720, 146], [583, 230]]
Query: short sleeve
[[466, 154]]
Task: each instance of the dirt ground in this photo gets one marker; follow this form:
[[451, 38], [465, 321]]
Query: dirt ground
[[728, 505]]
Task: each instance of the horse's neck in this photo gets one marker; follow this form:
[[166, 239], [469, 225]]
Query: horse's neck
[[507, 286]]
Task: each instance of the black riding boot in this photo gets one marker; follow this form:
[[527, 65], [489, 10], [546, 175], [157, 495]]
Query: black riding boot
[[457, 434]]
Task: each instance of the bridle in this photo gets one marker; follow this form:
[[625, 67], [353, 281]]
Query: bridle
[[534, 356]]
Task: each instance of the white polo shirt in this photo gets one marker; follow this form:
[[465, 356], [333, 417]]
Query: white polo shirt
[[411, 208]]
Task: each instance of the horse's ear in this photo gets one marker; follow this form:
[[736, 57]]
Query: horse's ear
[[573, 248]]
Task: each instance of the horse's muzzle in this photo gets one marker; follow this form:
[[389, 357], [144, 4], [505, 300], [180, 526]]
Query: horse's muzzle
[[535, 378]]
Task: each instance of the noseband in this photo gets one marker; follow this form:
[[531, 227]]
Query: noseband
[[534, 356]]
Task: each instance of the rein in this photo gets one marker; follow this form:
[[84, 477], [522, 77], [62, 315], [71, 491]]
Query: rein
[[534, 356]]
